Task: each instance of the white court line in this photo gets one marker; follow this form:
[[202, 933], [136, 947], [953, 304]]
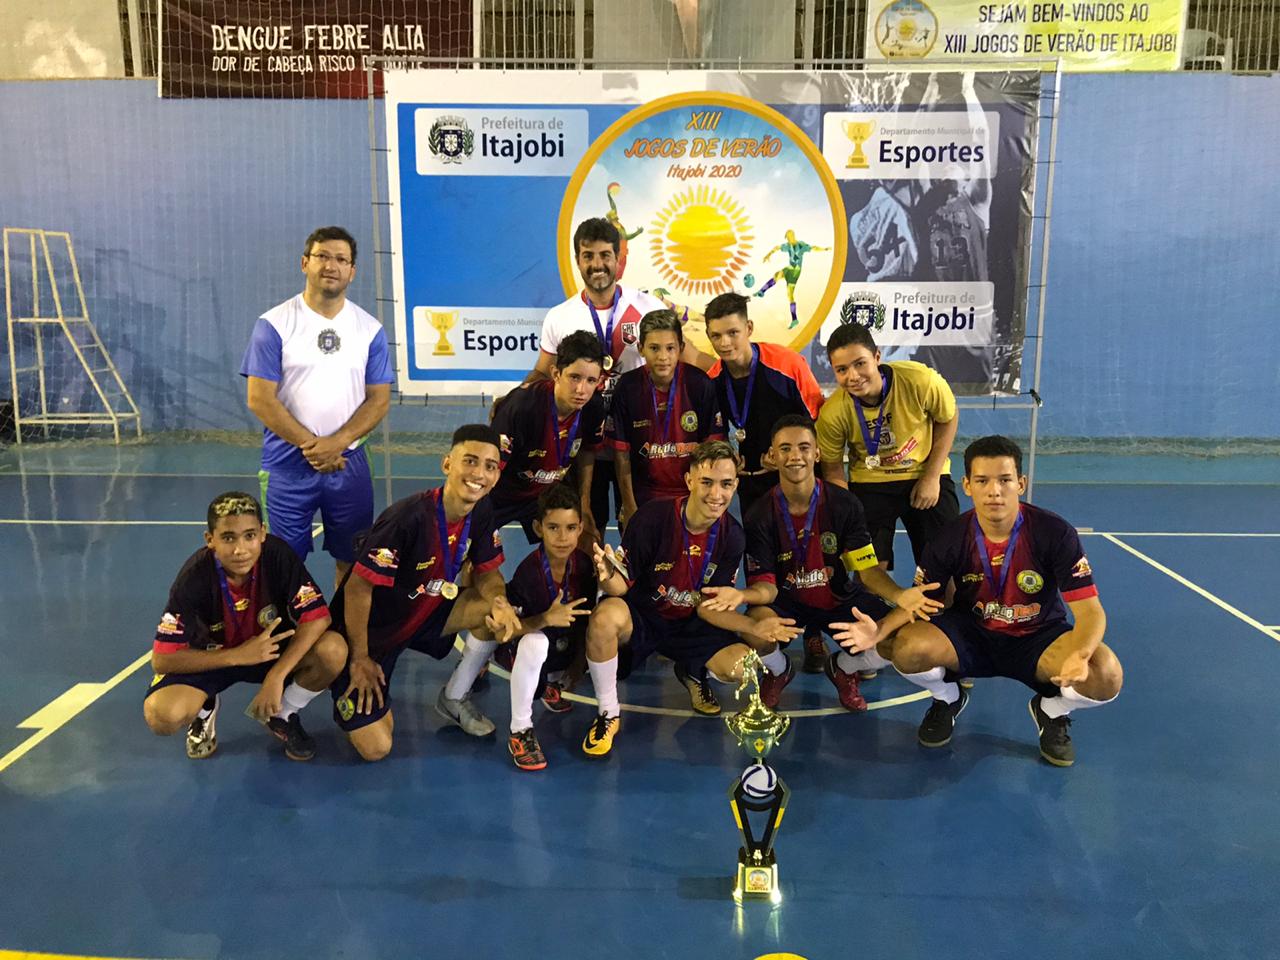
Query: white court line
[[1195, 588]]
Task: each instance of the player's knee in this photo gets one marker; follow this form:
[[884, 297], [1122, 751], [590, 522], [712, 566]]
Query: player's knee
[[606, 626], [372, 743], [1106, 673], [914, 651], [165, 718], [330, 654]]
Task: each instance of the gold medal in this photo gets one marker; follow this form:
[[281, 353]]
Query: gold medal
[[449, 590], [872, 462], [739, 434], [608, 362]]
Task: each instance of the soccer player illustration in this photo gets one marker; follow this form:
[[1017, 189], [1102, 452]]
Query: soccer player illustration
[[790, 274], [612, 216]]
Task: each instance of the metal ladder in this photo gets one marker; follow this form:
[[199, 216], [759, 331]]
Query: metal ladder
[[116, 404]]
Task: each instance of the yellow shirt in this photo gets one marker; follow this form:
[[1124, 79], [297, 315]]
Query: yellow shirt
[[918, 398]]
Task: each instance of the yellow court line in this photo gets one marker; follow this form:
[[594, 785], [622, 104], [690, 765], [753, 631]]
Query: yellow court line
[[1196, 588], [50, 718], [25, 955]]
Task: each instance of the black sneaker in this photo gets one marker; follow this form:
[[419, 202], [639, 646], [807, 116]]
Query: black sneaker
[[1055, 736], [938, 724], [815, 654], [298, 744]]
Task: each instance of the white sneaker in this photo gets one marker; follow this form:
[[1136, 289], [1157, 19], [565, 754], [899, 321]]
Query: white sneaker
[[465, 714], [202, 735]]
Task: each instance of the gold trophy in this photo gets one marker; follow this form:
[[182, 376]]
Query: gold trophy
[[858, 131], [759, 790], [443, 321]]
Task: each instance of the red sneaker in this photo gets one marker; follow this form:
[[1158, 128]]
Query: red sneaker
[[553, 698], [846, 685], [771, 685], [525, 751]]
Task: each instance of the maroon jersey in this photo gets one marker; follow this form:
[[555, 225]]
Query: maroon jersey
[[538, 446], [661, 428], [531, 594], [1046, 566], [198, 615], [403, 558], [669, 566], [808, 570]]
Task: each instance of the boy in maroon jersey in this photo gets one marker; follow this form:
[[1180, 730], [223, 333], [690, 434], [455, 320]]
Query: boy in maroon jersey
[[1016, 570], [661, 412], [221, 627]]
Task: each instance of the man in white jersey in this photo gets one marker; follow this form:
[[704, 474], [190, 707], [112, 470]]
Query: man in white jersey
[[320, 379], [613, 314]]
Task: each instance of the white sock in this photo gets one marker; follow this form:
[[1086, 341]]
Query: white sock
[[604, 677], [1067, 700], [776, 662], [866, 660], [475, 655], [931, 680], [295, 698], [530, 656]]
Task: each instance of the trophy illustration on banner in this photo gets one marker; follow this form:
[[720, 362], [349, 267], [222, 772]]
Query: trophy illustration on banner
[[858, 131], [443, 321], [759, 791]]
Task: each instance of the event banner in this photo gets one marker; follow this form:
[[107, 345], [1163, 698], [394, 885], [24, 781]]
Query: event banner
[[901, 201], [1085, 36], [305, 48]]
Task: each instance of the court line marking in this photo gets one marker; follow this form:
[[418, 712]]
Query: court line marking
[[27, 955], [1194, 587]]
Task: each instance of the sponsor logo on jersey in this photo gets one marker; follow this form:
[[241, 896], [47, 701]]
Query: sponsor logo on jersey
[[170, 625], [423, 566], [1029, 581], [1004, 613], [307, 594], [808, 579], [1082, 568], [328, 341], [505, 442], [971, 578], [385, 557]]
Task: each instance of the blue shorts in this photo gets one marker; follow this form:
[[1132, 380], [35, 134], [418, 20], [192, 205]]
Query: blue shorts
[[814, 620], [212, 682], [985, 653], [291, 497], [429, 640], [690, 642]]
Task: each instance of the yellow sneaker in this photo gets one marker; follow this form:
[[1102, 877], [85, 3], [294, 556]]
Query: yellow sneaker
[[700, 696], [599, 739]]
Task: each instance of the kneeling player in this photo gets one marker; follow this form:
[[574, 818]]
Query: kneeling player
[[1013, 565], [553, 591], [805, 541], [403, 592], [679, 553], [208, 639]]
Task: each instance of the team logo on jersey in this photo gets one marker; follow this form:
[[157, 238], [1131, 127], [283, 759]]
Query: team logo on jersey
[[346, 709], [709, 572], [1029, 581], [170, 625], [863, 308], [630, 332], [329, 341], [689, 420], [385, 557], [573, 450], [268, 613], [451, 139], [1082, 568], [829, 542], [562, 645]]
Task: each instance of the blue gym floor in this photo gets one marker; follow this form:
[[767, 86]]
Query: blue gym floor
[[1161, 842]]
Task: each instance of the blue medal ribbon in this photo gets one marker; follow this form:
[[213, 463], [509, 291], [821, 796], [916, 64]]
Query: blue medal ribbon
[[1008, 554], [696, 580], [605, 333], [230, 600], [739, 420], [562, 453], [452, 559], [800, 549], [671, 402], [873, 443], [553, 591]]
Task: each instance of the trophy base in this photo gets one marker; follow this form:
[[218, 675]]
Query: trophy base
[[757, 880]]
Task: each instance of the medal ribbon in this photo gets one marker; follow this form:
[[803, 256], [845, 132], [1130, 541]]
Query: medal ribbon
[[873, 444], [605, 333], [695, 581], [739, 420], [452, 558], [552, 590], [671, 403], [800, 550], [230, 600], [562, 453], [1008, 554]]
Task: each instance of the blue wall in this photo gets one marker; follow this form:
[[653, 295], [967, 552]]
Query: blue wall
[[188, 218]]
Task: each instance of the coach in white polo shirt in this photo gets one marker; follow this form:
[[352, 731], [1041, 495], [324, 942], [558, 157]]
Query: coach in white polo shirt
[[613, 313], [319, 380]]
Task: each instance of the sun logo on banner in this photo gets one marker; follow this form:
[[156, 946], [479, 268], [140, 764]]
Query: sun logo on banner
[[701, 241]]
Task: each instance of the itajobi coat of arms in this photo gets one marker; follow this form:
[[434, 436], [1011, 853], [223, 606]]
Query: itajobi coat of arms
[[863, 308], [451, 139]]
